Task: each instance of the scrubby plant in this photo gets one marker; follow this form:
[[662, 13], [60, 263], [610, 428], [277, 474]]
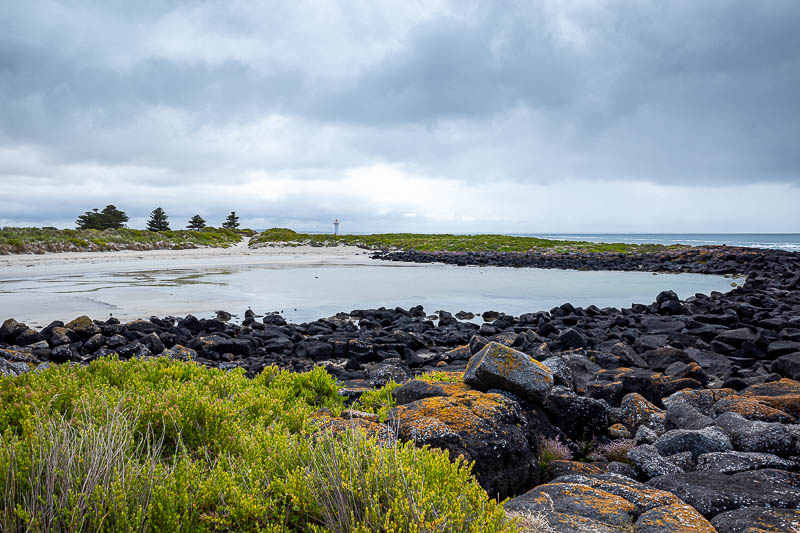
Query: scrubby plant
[[553, 450], [616, 450], [379, 401], [446, 377], [451, 243], [164, 445], [531, 522], [15, 240]]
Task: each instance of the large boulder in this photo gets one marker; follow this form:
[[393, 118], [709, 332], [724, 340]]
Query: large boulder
[[732, 462], [83, 326], [756, 519], [756, 436], [497, 366], [649, 463], [579, 417], [712, 493], [697, 441], [487, 428]]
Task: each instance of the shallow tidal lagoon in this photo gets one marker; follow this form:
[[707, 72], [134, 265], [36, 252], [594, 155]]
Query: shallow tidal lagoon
[[307, 291]]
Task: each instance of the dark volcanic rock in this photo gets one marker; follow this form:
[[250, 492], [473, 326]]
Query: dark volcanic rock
[[712, 493]]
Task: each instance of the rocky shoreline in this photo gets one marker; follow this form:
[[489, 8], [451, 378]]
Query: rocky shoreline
[[683, 413]]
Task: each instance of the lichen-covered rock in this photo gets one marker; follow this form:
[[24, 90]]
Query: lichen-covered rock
[[783, 395], [701, 399], [675, 518], [732, 462], [697, 441], [417, 389], [712, 493], [640, 495], [577, 506], [649, 462], [751, 409], [636, 410], [497, 366], [482, 427], [757, 520], [83, 326]]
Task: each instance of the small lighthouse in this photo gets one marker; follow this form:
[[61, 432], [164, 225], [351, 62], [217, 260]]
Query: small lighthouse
[[336, 227]]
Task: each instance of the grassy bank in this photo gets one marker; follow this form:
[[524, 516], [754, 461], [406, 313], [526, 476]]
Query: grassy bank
[[39, 240], [451, 243], [163, 445]]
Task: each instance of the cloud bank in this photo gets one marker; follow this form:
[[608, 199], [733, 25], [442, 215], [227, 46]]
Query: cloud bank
[[405, 116]]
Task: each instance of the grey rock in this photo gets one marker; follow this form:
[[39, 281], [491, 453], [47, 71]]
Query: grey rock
[[756, 436], [757, 519], [683, 460], [697, 441], [712, 493], [12, 368], [681, 415], [649, 462], [645, 435], [732, 462]]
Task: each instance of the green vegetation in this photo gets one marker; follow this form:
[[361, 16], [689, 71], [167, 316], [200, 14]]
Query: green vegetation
[[451, 243], [379, 401], [109, 218], [163, 445], [19, 240]]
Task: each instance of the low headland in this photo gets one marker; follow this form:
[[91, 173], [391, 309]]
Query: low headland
[[52, 240], [680, 415]]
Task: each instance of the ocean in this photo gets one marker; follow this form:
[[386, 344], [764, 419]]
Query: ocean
[[779, 241]]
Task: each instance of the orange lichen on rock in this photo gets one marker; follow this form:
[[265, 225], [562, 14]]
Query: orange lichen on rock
[[783, 395], [578, 500], [752, 409], [675, 518]]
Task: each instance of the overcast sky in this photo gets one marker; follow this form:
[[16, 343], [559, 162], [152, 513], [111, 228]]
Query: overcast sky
[[496, 116]]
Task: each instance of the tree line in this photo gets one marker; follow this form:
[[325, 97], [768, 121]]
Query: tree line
[[112, 218]]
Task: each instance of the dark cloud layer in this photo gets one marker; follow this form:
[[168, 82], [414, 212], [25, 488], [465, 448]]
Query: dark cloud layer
[[247, 104]]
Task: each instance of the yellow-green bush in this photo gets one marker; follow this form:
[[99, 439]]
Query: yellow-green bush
[[163, 445]]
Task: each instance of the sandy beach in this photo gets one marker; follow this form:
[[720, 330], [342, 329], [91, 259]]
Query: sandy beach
[[127, 260]]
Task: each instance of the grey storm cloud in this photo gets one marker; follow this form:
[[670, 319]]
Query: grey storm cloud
[[134, 100]]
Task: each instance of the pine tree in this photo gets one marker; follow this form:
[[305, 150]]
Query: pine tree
[[89, 220], [158, 220], [232, 222], [113, 218], [109, 218], [196, 223]]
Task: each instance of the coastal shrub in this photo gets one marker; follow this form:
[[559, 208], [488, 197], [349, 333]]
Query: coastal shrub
[[447, 377], [165, 445], [379, 401], [51, 238], [449, 243], [616, 450], [553, 450]]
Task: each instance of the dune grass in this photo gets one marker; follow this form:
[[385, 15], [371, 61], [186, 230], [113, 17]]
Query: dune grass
[[22, 240], [163, 445], [450, 243]]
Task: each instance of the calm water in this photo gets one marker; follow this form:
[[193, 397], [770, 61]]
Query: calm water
[[307, 292], [781, 241]]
